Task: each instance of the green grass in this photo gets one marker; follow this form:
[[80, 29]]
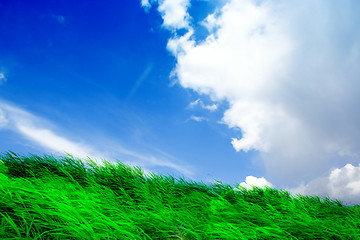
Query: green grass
[[48, 198]]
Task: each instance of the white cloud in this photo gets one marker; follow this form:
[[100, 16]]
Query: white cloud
[[179, 45], [2, 78], [174, 13], [146, 4], [197, 119], [39, 131], [342, 184], [194, 103], [3, 119], [290, 74], [210, 22], [48, 139], [212, 107], [251, 181]]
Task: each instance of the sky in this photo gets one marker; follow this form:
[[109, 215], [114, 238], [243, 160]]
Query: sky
[[238, 91]]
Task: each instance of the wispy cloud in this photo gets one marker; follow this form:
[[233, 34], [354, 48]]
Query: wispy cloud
[[163, 159], [3, 120], [197, 119], [194, 103], [198, 102], [140, 80], [40, 131], [2, 78]]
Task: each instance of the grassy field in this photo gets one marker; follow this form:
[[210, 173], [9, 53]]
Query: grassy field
[[48, 198]]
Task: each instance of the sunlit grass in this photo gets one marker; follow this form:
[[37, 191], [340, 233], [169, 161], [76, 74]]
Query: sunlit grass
[[48, 198]]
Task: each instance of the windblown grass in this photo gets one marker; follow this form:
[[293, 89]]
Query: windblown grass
[[44, 198]]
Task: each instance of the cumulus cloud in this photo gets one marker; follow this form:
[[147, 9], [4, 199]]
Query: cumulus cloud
[[289, 72], [178, 45], [2, 78], [146, 4], [40, 132], [210, 22], [342, 184], [251, 181], [173, 12]]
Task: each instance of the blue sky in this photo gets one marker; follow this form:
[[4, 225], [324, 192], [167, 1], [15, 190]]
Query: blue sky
[[102, 77], [250, 92]]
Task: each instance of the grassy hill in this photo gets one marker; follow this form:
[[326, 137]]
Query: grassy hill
[[48, 198]]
